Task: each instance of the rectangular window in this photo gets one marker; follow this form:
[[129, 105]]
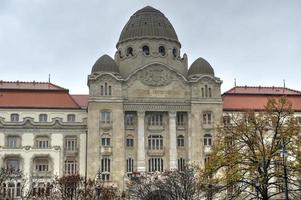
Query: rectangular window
[[181, 164], [106, 141], [105, 117], [129, 167], [43, 118], [41, 165], [156, 120], [180, 141], [207, 118], [13, 164], [129, 142], [129, 119], [14, 117], [180, 119], [42, 142], [13, 142], [71, 143], [155, 164], [70, 167], [155, 142], [105, 168], [71, 118]]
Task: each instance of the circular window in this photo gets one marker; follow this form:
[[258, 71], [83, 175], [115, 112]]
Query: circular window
[[129, 51], [175, 52], [145, 50], [162, 50]]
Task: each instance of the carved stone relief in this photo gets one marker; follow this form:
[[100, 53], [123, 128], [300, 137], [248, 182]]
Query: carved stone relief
[[155, 75]]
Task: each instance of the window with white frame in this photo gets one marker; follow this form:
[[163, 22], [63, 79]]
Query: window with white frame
[[41, 164], [71, 117], [180, 119], [14, 117], [130, 142], [42, 142], [180, 141], [129, 166], [105, 168], [106, 89], [41, 189], [207, 118], [105, 141], [70, 143], [13, 142], [105, 117], [155, 119], [181, 164], [155, 142], [207, 139], [155, 164], [70, 166], [43, 117]]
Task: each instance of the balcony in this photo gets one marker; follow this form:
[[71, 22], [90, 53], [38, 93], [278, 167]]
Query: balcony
[[207, 149], [106, 150], [156, 152], [71, 152], [156, 127], [42, 174], [105, 125]]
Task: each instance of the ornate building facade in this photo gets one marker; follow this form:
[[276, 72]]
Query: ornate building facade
[[147, 111]]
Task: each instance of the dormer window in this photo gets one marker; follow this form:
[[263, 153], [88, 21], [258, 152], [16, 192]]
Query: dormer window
[[129, 51], [162, 50], [43, 118], [14, 117], [145, 50]]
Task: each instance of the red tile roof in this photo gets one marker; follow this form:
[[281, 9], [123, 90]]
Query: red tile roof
[[81, 99], [263, 90], [35, 95], [21, 85], [255, 98]]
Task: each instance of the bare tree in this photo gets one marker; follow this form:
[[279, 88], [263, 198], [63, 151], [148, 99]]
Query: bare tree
[[257, 155], [171, 185]]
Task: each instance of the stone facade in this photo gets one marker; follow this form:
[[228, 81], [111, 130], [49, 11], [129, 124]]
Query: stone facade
[[147, 114]]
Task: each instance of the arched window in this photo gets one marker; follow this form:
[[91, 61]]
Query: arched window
[[129, 51], [145, 50], [209, 91], [207, 139], [180, 141], [155, 142], [162, 50], [174, 52], [101, 90]]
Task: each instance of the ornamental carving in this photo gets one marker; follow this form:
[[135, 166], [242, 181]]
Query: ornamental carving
[[155, 76]]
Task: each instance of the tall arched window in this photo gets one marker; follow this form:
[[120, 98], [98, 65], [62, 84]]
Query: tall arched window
[[155, 164], [106, 89], [162, 50], [129, 166]]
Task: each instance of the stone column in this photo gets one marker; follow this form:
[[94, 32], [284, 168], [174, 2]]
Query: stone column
[[173, 158], [189, 137], [141, 143]]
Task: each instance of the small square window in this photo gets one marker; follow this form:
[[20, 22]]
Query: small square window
[[14, 117], [130, 142], [71, 118], [43, 118]]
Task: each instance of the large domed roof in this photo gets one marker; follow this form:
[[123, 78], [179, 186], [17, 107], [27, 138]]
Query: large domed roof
[[200, 66], [148, 23], [105, 64]]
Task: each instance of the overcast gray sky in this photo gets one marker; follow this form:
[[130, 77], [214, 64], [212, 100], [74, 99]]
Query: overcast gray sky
[[257, 42]]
